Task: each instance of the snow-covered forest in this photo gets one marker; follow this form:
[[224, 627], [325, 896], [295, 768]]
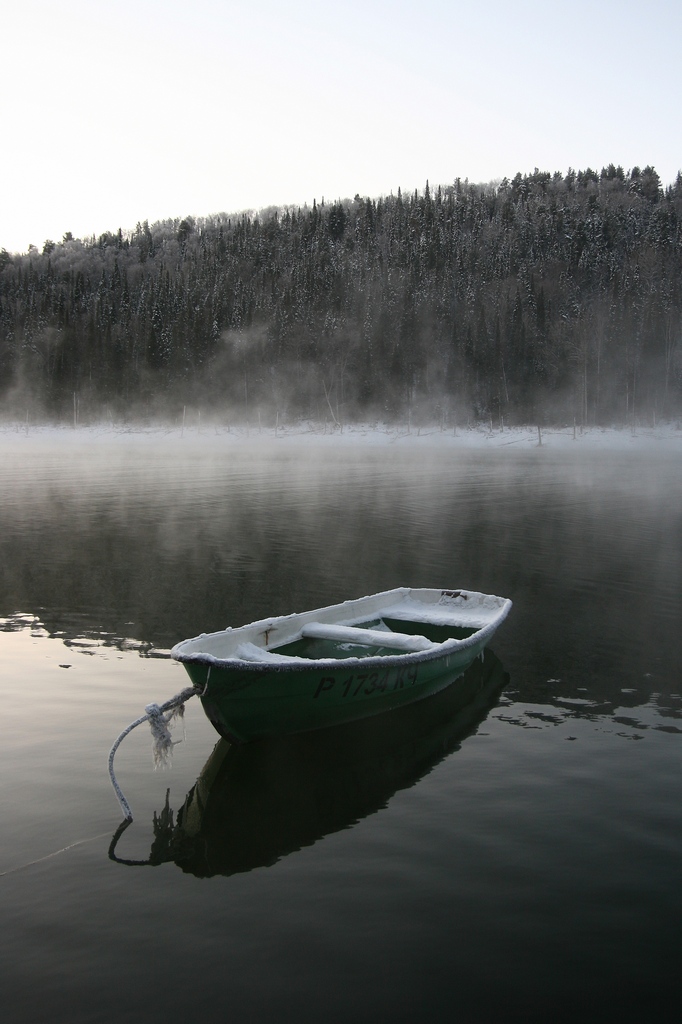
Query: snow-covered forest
[[546, 298]]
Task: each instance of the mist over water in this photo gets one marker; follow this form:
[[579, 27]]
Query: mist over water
[[425, 859]]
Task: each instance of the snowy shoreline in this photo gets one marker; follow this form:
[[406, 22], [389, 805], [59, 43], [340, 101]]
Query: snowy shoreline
[[666, 436]]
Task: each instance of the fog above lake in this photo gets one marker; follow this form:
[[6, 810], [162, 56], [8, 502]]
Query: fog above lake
[[154, 536]]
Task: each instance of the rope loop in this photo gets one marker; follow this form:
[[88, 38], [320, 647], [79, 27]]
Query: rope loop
[[160, 717]]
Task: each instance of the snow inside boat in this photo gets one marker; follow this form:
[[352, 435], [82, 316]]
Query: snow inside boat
[[303, 671]]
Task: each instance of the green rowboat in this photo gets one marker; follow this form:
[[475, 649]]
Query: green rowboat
[[347, 661]]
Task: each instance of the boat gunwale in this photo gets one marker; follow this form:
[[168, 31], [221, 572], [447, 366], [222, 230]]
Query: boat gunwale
[[298, 664]]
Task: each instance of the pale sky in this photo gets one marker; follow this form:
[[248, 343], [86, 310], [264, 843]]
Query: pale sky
[[113, 112]]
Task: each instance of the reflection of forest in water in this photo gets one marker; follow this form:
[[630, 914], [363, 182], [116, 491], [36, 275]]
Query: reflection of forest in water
[[130, 544]]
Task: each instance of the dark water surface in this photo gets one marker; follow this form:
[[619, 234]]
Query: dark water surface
[[509, 850]]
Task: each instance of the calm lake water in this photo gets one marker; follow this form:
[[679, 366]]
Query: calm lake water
[[509, 856]]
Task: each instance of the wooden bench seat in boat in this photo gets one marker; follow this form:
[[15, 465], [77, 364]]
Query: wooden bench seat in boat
[[475, 617], [251, 652], [340, 634], [366, 637]]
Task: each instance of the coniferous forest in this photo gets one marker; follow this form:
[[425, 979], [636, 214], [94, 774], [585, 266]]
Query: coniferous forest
[[547, 298]]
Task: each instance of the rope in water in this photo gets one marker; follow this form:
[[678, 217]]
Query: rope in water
[[159, 717]]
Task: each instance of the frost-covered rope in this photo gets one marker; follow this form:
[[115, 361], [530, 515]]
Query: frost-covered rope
[[159, 717]]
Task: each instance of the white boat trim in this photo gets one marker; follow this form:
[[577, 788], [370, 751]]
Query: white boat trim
[[366, 637], [250, 646]]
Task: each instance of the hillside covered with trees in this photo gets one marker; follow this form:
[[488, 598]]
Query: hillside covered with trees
[[544, 298]]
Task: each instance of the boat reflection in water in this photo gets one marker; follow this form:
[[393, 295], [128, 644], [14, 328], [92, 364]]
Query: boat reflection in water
[[256, 803]]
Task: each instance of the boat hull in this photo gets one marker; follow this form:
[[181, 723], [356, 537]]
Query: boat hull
[[251, 703]]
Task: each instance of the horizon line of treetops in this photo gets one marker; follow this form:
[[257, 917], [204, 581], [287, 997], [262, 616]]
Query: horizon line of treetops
[[545, 297]]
